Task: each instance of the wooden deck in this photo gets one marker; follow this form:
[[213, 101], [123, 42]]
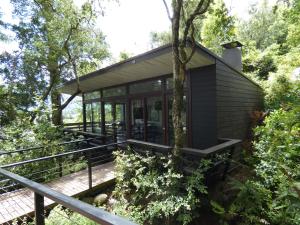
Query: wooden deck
[[20, 203]]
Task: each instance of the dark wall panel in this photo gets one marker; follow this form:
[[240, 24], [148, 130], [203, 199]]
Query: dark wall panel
[[203, 107], [236, 98]]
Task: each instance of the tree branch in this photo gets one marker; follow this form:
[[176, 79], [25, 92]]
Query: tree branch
[[193, 44], [198, 11], [167, 9], [66, 103]]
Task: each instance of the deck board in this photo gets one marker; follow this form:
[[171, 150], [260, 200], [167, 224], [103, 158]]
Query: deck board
[[21, 202]]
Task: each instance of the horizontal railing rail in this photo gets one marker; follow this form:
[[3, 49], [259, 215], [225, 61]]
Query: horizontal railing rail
[[45, 146], [150, 146], [92, 156], [227, 146], [60, 155], [217, 149], [84, 133], [40, 191]]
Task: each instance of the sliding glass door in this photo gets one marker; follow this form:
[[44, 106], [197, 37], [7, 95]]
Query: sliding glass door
[[137, 119], [93, 117], [147, 119], [120, 122], [154, 130]]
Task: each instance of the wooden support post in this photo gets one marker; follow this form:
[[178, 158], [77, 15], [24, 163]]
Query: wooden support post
[[39, 209]]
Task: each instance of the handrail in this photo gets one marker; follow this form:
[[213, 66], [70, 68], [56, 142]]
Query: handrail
[[87, 210], [192, 151], [59, 155], [161, 148], [84, 133], [96, 214], [39, 147], [212, 150]]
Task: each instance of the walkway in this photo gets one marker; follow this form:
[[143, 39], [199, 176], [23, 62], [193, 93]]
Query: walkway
[[19, 203]]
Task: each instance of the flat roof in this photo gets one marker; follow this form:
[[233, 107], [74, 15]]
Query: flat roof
[[154, 63]]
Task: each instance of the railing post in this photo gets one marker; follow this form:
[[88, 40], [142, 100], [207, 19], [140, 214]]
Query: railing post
[[90, 170], [39, 209], [60, 167]]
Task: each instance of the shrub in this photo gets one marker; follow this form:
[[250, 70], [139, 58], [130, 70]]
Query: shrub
[[21, 134], [282, 92], [61, 216], [150, 191], [272, 196]]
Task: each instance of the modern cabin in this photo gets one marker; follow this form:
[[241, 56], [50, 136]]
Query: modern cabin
[[133, 98]]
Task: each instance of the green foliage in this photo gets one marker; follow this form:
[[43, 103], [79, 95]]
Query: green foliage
[[272, 196], [158, 39], [124, 55], [150, 191], [7, 107], [61, 216], [265, 27], [257, 63], [282, 92], [21, 134], [58, 41], [218, 27]]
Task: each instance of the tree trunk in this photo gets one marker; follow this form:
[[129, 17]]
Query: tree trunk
[[56, 108], [178, 76]]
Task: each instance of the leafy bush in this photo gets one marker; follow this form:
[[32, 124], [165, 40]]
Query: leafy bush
[[282, 92], [61, 216], [272, 196], [21, 134], [150, 191]]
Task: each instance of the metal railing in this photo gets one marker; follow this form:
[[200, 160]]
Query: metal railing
[[58, 165], [86, 140], [191, 156], [41, 191], [47, 168]]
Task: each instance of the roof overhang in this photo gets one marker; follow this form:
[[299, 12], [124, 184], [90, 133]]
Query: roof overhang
[[154, 63]]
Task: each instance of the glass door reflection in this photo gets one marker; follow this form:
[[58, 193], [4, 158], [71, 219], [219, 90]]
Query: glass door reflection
[[120, 122], [155, 130], [108, 112], [137, 119]]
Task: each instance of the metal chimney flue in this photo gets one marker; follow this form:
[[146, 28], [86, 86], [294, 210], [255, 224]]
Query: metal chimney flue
[[232, 54]]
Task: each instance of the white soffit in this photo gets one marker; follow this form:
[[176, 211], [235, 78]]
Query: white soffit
[[138, 68]]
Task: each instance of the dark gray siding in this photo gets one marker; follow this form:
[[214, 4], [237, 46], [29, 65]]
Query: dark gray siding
[[236, 98], [203, 107]]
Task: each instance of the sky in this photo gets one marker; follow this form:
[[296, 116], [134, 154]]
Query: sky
[[127, 24]]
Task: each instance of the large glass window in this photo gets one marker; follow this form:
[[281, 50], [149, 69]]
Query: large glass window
[[148, 86], [108, 109], [89, 117], [92, 95], [93, 117], [120, 121], [154, 120], [137, 121], [117, 91]]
